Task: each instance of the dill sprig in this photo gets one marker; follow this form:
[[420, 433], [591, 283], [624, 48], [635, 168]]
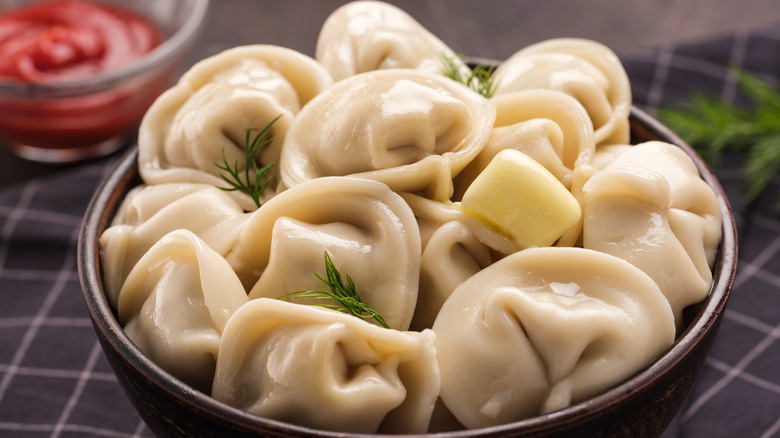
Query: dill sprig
[[479, 79], [255, 179], [344, 294], [715, 127]]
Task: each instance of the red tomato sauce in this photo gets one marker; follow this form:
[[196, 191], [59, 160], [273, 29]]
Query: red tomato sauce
[[68, 39], [58, 41]]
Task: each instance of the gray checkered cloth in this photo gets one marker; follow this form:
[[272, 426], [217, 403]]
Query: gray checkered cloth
[[55, 381]]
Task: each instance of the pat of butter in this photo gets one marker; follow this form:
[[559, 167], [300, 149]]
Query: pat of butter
[[520, 197]]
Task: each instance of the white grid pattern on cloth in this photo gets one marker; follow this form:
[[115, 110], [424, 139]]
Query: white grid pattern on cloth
[[81, 386], [54, 288], [737, 57], [32, 328], [14, 215], [662, 62], [84, 375]]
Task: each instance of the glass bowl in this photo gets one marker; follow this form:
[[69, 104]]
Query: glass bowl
[[82, 118]]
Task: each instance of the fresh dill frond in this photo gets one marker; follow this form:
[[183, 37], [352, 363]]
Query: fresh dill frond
[[479, 79], [715, 127], [255, 179], [451, 68], [345, 295]]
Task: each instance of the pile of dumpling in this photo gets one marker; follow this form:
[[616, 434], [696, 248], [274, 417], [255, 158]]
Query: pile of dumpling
[[372, 152]]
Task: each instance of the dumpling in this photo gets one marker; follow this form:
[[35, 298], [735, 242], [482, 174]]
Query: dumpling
[[369, 232], [150, 212], [689, 192], [208, 113], [455, 246], [585, 69], [651, 208], [411, 130], [364, 36], [545, 328], [550, 127], [606, 154], [175, 304], [328, 370]]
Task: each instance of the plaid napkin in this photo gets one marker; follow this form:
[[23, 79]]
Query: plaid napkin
[[55, 381]]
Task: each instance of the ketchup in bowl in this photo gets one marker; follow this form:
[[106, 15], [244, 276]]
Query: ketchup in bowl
[[69, 39], [63, 85]]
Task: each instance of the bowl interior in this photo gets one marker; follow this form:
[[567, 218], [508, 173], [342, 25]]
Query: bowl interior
[[667, 380]]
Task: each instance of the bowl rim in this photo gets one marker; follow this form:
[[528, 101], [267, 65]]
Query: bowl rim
[[125, 172], [163, 54]]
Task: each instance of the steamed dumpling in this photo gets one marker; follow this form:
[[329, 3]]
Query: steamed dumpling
[[585, 69], [324, 369], [455, 246], [364, 36], [208, 112], [369, 232], [150, 212], [175, 304], [411, 130], [545, 328], [650, 206]]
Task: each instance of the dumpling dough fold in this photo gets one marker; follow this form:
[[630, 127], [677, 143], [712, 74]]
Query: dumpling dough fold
[[325, 369], [175, 304], [587, 70], [411, 130], [369, 232], [185, 133], [364, 36], [455, 246], [651, 207], [545, 328], [150, 212], [549, 126]]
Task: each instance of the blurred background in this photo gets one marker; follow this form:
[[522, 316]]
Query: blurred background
[[492, 29], [497, 28]]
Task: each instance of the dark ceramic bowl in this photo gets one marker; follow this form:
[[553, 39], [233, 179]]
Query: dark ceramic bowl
[[644, 405]]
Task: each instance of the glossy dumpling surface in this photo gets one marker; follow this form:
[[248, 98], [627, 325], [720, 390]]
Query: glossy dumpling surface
[[455, 246], [369, 232], [210, 110], [584, 69], [324, 369], [544, 328], [413, 131], [363, 36], [175, 303], [650, 206], [150, 212]]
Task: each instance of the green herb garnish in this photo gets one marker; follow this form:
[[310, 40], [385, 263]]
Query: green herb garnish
[[714, 127], [480, 79], [344, 294], [255, 179]]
